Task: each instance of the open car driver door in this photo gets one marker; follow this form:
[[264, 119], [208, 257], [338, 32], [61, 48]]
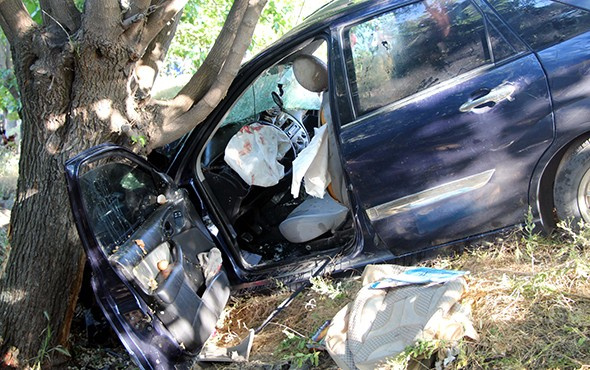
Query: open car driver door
[[156, 273]]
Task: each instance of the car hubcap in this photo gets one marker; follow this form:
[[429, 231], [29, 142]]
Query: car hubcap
[[584, 197]]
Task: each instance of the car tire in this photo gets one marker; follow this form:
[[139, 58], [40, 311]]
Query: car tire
[[571, 192]]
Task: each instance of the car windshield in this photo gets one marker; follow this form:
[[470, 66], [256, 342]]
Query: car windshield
[[258, 97]]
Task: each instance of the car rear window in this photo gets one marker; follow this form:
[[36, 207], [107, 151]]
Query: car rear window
[[411, 48], [543, 23]]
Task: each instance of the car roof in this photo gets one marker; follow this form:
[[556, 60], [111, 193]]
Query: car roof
[[333, 12], [336, 10]]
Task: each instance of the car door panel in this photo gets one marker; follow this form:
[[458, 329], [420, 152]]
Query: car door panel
[[132, 219], [420, 146], [568, 71]]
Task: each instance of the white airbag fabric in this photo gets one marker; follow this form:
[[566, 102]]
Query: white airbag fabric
[[254, 153], [311, 165]]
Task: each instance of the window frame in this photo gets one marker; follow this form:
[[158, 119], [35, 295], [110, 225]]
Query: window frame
[[346, 55], [517, 34]]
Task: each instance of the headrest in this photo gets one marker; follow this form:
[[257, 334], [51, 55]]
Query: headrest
[[311, 73]]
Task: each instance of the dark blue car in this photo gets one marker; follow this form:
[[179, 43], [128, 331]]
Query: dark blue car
[[429, 122]]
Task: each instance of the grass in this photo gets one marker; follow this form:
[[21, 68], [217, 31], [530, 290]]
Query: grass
[[529, 295]]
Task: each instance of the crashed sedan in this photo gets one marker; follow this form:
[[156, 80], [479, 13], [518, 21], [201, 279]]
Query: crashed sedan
[[373, 131]]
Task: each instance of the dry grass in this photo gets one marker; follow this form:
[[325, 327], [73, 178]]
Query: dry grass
[[530, 298], [530, 302], [301, 319]]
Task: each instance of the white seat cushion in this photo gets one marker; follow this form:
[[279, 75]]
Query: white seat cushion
[[312, 218]]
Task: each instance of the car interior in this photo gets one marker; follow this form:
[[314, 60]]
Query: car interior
[[287, 103], [152, 235]]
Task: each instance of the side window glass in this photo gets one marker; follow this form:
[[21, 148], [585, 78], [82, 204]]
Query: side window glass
[[500, 47], [118, 196], [542, 23], [412, 48]]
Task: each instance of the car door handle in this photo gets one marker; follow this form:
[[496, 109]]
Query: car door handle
[[496, 95]]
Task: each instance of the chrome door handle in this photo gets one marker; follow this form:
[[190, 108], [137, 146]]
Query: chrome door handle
[[496, 95]]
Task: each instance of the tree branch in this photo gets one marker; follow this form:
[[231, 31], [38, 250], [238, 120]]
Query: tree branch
[[133, 21], [201, 81], [61, 13], [158, 16], [103, 18], [15, 20], [175, 126], [148, 67]]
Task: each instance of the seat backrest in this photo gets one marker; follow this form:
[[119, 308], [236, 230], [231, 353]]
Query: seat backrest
[[311, 73]]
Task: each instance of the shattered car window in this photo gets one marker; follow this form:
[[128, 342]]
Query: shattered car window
[[258, 98], [412, 48], [118, 197]]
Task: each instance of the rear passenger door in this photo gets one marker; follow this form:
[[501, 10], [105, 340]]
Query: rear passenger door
[[450, 113]]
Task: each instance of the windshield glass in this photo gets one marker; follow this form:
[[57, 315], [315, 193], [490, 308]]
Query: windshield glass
[[258, 97]]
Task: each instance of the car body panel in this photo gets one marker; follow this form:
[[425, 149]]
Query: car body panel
[[406, 161], [160, 325]]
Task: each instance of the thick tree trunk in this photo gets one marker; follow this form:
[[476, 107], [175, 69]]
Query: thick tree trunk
[[71, 101], [41, 233]]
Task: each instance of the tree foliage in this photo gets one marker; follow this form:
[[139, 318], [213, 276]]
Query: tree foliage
[[200, 24]]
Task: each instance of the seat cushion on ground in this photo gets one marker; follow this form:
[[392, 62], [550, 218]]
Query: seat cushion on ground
[[312, 218]]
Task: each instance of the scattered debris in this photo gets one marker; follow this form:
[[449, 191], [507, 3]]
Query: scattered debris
[[140, 243], [161, 199]]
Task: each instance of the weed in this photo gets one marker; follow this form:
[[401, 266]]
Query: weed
[[426, 353], [280, 287], [45, 351], [326, 287], [578, 234], [139, 139], [296, 349], [531, 238]]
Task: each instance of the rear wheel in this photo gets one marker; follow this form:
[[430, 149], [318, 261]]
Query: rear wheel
[[572, 185]]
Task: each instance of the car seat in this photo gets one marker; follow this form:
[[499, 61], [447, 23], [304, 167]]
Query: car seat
[[316, 216]]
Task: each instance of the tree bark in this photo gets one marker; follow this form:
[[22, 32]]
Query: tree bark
[[43, 270]]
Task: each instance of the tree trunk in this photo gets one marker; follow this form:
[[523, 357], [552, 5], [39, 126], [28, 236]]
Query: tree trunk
[[71, 101]]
